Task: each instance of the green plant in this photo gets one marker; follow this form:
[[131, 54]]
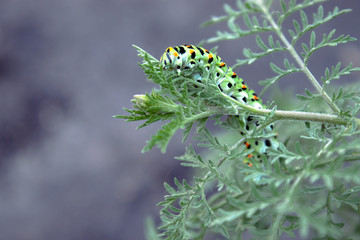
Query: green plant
[[310, 186]]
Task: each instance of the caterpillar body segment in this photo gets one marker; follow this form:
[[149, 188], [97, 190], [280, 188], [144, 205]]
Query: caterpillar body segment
[[186, 59]]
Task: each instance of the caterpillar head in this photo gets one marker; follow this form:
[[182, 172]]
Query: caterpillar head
[[166, 59], [175, 60], [171, 59]]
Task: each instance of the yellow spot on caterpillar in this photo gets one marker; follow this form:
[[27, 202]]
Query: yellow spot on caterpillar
[[191, 51]]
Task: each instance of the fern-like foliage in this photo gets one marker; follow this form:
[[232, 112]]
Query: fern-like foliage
[[309, 187]]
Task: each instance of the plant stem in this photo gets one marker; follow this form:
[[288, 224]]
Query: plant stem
[[299, 61], [278, 114], [355, 157], [292, 115], [200, 116]]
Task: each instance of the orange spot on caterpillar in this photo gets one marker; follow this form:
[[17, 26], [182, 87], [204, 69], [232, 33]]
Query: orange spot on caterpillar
[[222, 64], [211, 58], [255, 97], [250, 155], [206, 51], [175, 54], [243, 86], [247, 145], [249, 163]]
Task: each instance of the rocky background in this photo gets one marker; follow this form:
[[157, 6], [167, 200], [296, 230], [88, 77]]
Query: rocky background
[[68, 170]]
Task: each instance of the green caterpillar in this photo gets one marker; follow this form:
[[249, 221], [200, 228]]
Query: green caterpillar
[[187, 59]]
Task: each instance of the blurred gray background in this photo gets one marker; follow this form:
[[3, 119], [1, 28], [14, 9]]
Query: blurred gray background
[[68, 170]]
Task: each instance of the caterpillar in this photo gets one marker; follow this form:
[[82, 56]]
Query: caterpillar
[[187, 59]]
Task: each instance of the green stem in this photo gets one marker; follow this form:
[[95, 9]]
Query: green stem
[[354, 157], [292, 115], [299, 61], [200, 116], [275, 227]]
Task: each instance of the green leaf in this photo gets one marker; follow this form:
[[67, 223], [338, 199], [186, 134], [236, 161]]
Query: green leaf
[[318, 19], [150, 230], [247, 21], [337, 72], [308, 93], [283, 6], [294, 7], [260, 43], [256, 23], [169, 189], [305, 48], [304, 19], [276, 69], [296, 26], [228, 9], [290, 68], [312, 39], [253, 56], [163, 136]]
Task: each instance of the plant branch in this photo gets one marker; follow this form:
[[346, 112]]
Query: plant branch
[[199, 116], [355, 157], [292, 115], [297, 58]]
